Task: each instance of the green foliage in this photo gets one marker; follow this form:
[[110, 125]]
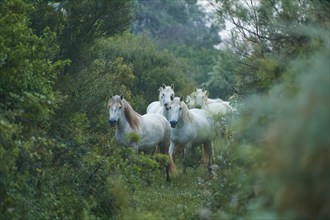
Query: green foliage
[[79, 24], [222, 81], [129, 65], [265, 37], [132, 137], [89, 91], [58, 156], [183, 28], [279, 167], [27, 105], [182, 199], [177, 23]]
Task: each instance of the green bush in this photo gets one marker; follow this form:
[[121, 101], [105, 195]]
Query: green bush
[[277, 166]]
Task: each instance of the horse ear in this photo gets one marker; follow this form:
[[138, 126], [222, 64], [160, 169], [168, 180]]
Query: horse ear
[[121, 97], [172, 86], [163, 85], [203, 89]]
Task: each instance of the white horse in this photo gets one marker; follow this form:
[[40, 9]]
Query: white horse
[[217, 108], [190, 101], [197, 96], [166, 93], [201, 95], [213, 106], [142, 132], [190, 128]]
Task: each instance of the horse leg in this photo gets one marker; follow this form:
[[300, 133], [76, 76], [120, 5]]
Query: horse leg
[[170, 166], [186, 151], [208, 153], [195, 159], [193, 153]]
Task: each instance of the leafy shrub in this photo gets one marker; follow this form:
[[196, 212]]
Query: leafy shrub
[[278, 166]]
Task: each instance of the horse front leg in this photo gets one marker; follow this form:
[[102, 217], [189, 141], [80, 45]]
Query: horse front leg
[[193, 153], [186, 155], [170, 167]]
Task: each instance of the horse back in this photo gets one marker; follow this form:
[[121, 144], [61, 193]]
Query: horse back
[[198, 130], [156, 129], [202, 116], [154, 107]]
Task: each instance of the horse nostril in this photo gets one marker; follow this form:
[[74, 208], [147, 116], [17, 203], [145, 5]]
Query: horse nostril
[[173, 123], [112, 122]]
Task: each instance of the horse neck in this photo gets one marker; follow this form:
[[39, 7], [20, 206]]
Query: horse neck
[[186, 115], [160, 99], [123, 124], [131, 116], [165, 113], [205, 105]]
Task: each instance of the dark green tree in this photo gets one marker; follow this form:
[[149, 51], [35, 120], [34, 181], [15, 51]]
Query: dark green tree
[[128, 65], [28, 100], [79, 23]]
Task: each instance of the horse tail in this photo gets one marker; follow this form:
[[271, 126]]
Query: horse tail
[[206, 155], [208, 146], [172, 166], [165, 145]]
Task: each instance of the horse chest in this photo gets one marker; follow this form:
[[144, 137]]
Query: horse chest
[[120, 139], [182, 135], [125, 137]]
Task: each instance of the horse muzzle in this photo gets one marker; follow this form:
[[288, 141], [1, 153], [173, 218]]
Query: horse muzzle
[[112, 122], [167, 106], [173, 123]]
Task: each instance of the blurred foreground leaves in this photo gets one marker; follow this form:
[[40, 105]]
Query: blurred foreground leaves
[[280, 161]]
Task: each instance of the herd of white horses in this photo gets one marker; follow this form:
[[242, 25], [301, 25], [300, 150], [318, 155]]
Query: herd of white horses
[[169, 123]]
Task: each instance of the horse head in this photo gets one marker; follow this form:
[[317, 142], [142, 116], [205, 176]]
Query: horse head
[[166, 95], [175, 111], [115, 108], [200, 96], [190, 102]]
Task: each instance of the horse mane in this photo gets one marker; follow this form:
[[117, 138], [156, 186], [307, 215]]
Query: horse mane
[[186, 116], [131, 115]]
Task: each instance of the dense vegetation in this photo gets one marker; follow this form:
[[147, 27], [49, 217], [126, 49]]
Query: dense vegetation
[[61, 61]]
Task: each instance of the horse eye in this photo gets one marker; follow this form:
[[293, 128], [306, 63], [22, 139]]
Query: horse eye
[[180, 108], [119, 107], [163, 94]]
